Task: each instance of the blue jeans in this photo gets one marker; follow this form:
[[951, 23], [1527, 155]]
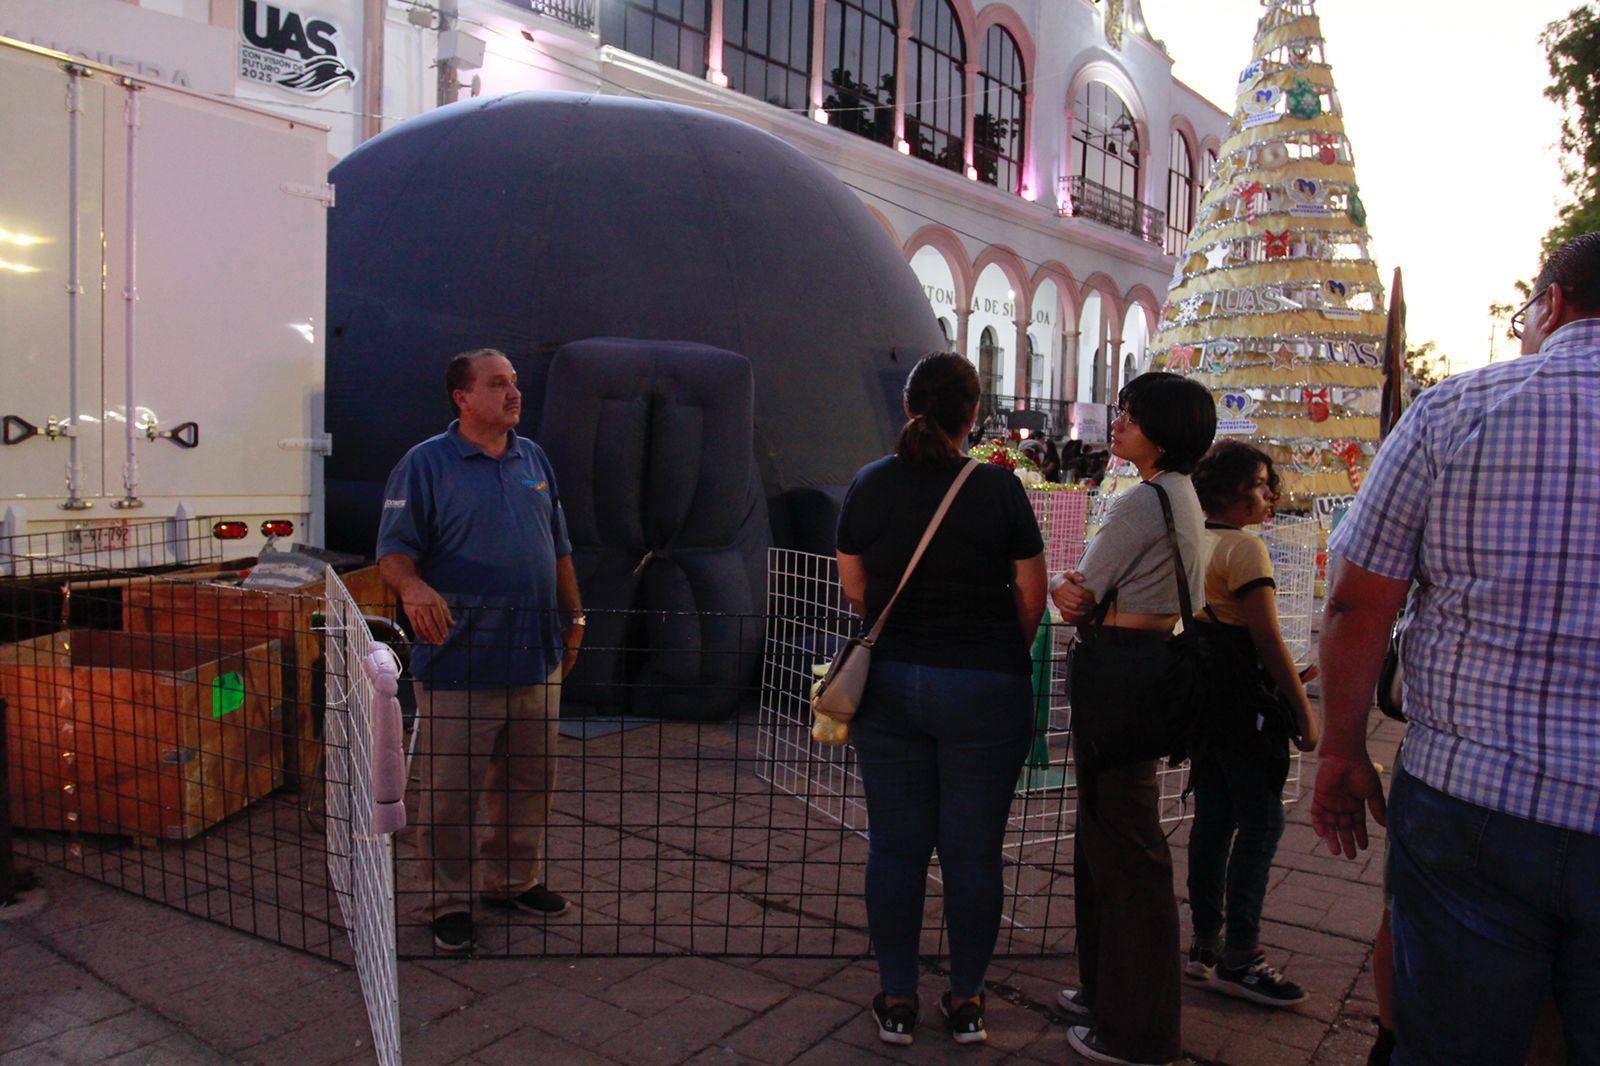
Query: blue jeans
[[940, 751], [1238, 821], [1493, 916]]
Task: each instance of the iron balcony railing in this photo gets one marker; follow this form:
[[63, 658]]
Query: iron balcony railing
[[997, 413], [1082, 198], [578, 13]]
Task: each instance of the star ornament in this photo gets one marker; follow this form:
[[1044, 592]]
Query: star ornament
[[1217, 256], [1282, 359]]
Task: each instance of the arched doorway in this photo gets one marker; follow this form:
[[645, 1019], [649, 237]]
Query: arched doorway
[[994, 312]]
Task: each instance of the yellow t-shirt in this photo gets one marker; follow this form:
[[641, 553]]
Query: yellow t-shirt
[[1239, 563]]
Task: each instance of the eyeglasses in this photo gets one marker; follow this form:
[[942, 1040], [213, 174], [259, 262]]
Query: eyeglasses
[[1520, 318]]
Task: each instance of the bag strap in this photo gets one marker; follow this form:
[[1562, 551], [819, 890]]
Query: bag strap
[[1184, 603], [922, 546]]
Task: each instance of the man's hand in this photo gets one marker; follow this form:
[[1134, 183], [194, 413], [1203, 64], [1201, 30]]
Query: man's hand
[[1344, 784], [571, 641], [430, 616], [1307, 733], [1071, 597]]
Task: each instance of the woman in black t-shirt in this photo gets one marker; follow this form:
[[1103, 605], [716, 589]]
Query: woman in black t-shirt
[[947, 716]]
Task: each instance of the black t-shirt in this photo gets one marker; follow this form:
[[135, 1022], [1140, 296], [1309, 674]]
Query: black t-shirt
[[958, 609]]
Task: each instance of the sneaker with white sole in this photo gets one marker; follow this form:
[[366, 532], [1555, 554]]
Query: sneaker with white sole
[[966, 1021], [1074, 1005], [1201, 965], [540, 902], [453, 932], [1258, 983], [1086, 1042], [896, 1024]]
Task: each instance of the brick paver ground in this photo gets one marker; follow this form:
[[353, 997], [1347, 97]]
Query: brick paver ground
[[96, 975]]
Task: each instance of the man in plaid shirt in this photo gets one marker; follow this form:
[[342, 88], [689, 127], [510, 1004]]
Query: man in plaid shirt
[[1487, 495]]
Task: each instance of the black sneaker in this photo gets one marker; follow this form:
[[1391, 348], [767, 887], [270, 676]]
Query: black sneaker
[[1201, 965], [1073, 1003], [453, 932], [540, 901], [966, 1021], [1086, 1042], [1258, 983], [897, 1023]]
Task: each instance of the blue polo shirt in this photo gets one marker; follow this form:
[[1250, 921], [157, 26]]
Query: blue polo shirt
[[485, 534]]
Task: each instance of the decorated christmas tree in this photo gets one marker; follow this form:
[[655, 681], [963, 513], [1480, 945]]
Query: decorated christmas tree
[[1276, 305]]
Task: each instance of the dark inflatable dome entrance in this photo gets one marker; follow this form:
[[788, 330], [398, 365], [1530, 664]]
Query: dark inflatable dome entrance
[[710, 329]]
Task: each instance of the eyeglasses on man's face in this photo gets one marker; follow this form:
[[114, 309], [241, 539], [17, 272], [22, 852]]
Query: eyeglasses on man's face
[[1519, 319]]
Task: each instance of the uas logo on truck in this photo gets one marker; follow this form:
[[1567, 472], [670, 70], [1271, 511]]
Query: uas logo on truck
[[291, 50]]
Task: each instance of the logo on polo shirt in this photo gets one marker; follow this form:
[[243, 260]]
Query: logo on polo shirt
[[394, 505], [537, 486]]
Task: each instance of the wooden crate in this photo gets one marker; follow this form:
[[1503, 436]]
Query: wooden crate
[[139, 734], [178, 605]]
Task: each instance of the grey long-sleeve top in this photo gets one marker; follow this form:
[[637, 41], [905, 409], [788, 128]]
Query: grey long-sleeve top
[[1131, 552]]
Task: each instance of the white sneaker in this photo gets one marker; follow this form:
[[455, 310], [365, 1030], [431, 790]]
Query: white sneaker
[[1070, 1000], [1086, 1043]]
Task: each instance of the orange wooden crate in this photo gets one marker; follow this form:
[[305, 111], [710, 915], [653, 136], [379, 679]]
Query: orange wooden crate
[[174, 606], [139, 734]]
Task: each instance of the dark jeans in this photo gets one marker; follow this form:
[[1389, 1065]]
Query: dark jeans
[[1493, 916], [940, 751], [1127, 914], [1238, 820]]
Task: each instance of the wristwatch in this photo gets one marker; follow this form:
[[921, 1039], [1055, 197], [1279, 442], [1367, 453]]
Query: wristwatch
[[579, 619]]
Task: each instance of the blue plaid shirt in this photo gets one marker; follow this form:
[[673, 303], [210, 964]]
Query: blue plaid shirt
[[1488, 495]]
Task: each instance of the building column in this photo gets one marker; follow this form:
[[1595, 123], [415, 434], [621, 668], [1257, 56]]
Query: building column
[[1067, 372], [819, 51], [1023, 388], [902, 34], [963, 315], [969, 86], [1030, 176], [1113, 368], [714, 73]]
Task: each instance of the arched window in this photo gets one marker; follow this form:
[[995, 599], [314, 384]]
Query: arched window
[[1105, 140], [1208, 166], [997, 127], [949, 334], [1180, 195], [1036, 361], [989, 355], [859, 74], [671, 32], [936, 85], [766, 49]]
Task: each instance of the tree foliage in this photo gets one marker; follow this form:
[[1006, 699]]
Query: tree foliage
[[1425, 367], [1572, 46]]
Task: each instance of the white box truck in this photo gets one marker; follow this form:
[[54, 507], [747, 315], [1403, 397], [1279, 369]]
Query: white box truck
[[162, 265]]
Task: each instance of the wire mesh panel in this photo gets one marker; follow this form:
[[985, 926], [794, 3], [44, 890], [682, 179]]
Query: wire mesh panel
[[360, 860], [112, 544], [1292, 542], [1063, 516]]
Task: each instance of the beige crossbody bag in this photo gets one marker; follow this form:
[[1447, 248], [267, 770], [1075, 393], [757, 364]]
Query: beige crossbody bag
[[839, 694]]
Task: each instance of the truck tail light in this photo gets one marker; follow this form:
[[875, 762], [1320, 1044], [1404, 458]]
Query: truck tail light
[[230, 530], [277, 527]]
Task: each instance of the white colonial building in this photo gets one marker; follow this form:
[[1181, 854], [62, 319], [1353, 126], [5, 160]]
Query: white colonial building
[[1035, 159]]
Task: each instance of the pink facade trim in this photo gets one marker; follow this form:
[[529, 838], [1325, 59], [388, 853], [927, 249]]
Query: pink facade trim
[[1141, 296], [881, 217], [1066, 288], [949, 246], [1111, 305], [1011, 265]]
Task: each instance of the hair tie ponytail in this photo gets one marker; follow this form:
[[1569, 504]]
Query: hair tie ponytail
[[944, 390]]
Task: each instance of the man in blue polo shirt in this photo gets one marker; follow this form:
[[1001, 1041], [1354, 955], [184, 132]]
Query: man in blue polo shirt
[[474, 543]]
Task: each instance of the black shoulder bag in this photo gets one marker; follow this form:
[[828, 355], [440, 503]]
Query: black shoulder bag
[[1137, 700]]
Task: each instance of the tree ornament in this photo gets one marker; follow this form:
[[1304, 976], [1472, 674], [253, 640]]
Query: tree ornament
[[1350, 451], [1272, 156], [1188, 311], [1316, 401], [1218, 356], [1277, 244], [1260, 107], [1300, 57], [1217, 256], [1180, 360], [1304, 101], [1307, 458], [1250, 194], [1357, 211], [1283, 358], [1327, 145]]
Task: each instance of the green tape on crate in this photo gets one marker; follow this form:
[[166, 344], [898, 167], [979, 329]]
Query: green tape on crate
[[227, 694]]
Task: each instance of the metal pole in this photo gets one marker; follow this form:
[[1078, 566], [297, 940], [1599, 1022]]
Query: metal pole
[[130, 299], [75, 75], [449, 82], [8, 867]]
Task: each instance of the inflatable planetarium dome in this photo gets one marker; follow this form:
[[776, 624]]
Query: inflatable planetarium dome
[[711, 331]]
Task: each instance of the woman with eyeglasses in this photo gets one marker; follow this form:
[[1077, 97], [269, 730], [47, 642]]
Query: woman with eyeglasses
[[1127, 915]]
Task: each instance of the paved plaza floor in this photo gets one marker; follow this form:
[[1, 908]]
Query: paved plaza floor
[[92, 974]]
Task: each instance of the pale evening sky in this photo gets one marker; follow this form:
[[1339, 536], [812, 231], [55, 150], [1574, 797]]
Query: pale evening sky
[[1455, 144]]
